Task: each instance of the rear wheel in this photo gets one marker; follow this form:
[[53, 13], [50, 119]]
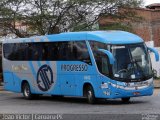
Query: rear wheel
[[27, 91], [90, 95], [126, 100]]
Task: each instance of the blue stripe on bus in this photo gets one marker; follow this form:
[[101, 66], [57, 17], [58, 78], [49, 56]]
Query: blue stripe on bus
[[43, 79]]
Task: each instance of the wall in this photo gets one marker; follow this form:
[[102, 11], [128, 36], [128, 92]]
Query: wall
[[148, 28]]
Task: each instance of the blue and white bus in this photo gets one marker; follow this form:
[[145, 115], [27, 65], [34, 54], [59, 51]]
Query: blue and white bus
[[96, 64]]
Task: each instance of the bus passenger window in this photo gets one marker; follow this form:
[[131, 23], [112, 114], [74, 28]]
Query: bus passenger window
[[8, 50], [80, 51], [102, 62], [47, 51], [53, 51], [100, 58]]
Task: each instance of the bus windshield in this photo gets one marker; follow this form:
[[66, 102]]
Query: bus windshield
[[132, 62]]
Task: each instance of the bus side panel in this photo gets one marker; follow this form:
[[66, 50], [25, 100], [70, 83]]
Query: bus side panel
[[55, 90], [8, 81], [17, 86], [67, 83], [79, 81], [82, 79], [101, 90], [11, 82], [27, 77], [73, 75], [31, 77]]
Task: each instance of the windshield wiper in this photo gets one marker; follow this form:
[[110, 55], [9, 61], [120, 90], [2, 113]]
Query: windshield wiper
[[139, 68]]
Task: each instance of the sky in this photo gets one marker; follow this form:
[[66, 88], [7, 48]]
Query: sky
[[147, 2]]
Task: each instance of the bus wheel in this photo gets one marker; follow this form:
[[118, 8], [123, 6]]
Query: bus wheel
[[27, 91], [90, 95], [125, 100]]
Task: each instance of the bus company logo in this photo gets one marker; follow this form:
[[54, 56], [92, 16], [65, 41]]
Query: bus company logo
[[45, 78]]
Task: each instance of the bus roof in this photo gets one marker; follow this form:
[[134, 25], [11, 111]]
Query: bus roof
[[109, 37]]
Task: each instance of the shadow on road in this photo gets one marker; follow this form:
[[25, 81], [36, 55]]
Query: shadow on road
[[61, 99]]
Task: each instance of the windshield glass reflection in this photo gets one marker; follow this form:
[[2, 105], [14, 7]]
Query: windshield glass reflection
[[132, 62]]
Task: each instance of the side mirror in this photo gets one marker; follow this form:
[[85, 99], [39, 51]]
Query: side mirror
[[156, 54], [109, 54]]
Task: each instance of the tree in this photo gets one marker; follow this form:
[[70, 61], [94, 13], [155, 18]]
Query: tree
[[54, 16]]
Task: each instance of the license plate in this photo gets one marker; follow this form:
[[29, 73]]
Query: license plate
[[138, 84], [136, 93]]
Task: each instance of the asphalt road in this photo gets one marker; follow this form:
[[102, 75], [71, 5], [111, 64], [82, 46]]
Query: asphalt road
[[15, 103]]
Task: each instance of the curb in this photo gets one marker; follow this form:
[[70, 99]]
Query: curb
[[1, 88]]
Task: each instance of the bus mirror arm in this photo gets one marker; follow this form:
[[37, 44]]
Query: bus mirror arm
[[155, 53], [109, 54]]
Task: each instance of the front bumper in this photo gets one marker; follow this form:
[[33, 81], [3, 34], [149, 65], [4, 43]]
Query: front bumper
[[120, 93], [121, 90]]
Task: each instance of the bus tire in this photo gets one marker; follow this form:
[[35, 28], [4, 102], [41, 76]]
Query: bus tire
[[27, 91], [125, 100], [90, 95]]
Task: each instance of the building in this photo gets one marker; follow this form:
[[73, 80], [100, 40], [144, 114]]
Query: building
[[149, 26]]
